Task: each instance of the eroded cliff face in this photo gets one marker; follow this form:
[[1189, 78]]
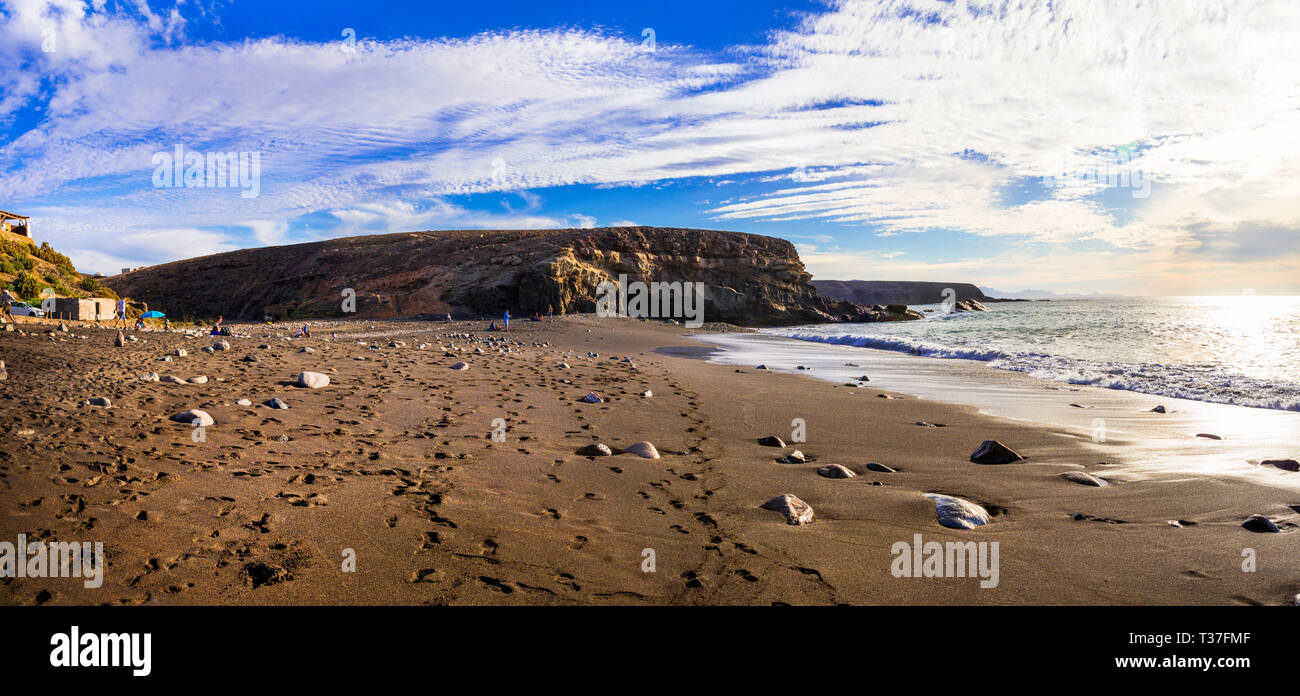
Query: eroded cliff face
[[748, 279]]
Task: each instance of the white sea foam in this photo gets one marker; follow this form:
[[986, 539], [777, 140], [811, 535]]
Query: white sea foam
[[1218, 350]]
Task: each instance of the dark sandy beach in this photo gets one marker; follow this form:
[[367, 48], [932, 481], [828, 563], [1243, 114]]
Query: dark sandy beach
[[394, 465]]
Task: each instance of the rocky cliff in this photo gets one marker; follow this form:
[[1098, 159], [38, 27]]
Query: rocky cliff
[[871, 292], [748, 279]]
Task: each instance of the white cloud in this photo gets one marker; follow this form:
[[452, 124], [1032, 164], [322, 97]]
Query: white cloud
[[380, 136]]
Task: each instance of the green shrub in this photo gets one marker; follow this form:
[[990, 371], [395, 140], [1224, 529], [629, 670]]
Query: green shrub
[[27, 286], [8, 267], [24, 262], [47, 253]]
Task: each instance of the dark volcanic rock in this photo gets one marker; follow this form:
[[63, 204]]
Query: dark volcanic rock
[[1288, 464], [1260, 523], [994, 452]]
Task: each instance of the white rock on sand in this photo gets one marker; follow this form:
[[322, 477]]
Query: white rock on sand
[[200, 379], [835, 471], [642, 449], [311, 380], [958, 513], [460, 366], [244, 402], [1084, 479], [189, 417], [795, 510]]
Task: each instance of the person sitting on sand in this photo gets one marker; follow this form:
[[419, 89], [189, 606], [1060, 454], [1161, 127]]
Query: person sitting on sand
[[304, 332], [139, 323], [492, 326]]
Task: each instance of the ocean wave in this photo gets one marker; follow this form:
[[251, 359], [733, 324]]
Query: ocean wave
[[902, 345], [1198, 383]]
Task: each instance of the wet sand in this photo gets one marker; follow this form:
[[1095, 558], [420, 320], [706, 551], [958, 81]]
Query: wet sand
[[395, 461]]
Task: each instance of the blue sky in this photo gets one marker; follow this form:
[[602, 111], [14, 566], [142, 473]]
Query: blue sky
[[1076, 146]]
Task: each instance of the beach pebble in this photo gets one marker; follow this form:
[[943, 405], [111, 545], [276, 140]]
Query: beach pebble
[[251, 358], [192, 415], [644, 450], [200, 379], [306, 349], [221, 345], [1084, 479], [99, 401], [771, 441], [149, 377], [172, 379], [994, 452], [647, 393], [760, 367], [1260, 523], [120, 341], [835, 471], [181, 352], [312, 380], [877, 466], [592, 398], [595, 450], [244, 402], [1158, 409], [864, 378], [460, 366], [958, 513], [795, 510], [563, 366], [795, 457], [277, 404], [1288, 464], [1209, 436]]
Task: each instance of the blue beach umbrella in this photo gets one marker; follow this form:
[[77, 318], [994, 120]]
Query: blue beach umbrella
[[153, 314]]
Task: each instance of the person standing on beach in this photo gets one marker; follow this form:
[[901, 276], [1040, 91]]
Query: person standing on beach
[[507, 320], [549, 311], [121, 312]]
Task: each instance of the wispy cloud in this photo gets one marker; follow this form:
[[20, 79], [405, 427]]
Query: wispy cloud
[[891, 116]]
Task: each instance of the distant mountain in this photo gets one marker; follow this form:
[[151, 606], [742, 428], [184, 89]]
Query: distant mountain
[[911, 292], [1043, 295]]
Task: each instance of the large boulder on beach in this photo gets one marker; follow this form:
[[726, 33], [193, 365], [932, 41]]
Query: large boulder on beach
[[1084, 479], [597, 449], [221, 345], [642, 449], [1287, 464], [994, 452], [191, 416], [958, 513], [835, 471], [311, 380], [592, 398], [795, 510], [877, 466], [120, 341], [771, 441]]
